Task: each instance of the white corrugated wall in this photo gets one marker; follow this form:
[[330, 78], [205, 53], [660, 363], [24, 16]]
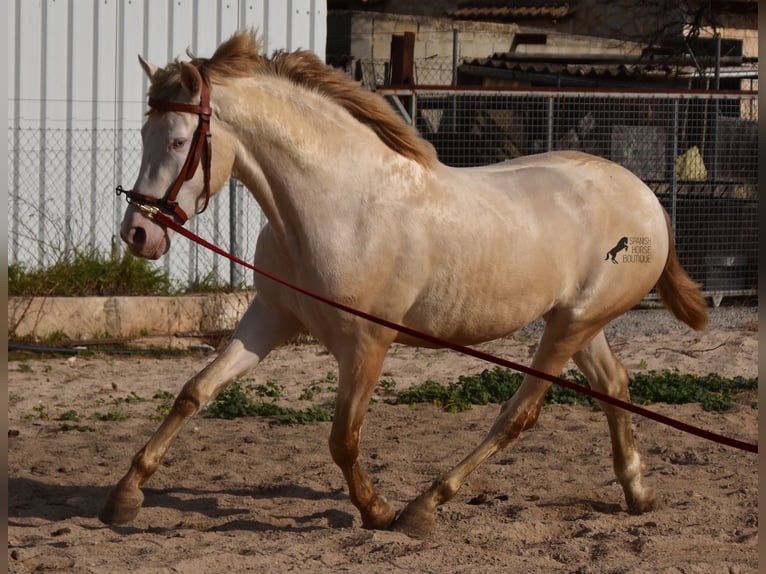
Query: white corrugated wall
[[76, 98], [74, 62]]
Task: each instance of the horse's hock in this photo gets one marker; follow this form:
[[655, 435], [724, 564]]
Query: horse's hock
[[88, 317]]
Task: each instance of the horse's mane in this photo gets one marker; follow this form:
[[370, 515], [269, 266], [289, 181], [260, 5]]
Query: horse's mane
[[240, 56]]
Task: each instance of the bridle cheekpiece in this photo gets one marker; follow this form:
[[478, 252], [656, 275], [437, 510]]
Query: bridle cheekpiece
[[201, 146]]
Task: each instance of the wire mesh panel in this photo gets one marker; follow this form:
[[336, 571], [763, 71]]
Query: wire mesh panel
[[696, 151], [62, 200]]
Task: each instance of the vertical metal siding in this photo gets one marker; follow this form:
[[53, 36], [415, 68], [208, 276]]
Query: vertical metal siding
[[75, 61], [77, 99]]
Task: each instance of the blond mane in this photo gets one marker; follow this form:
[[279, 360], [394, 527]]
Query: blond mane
[[240, 56]]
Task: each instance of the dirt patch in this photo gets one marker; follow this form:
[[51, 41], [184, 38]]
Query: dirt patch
[[249, 495]]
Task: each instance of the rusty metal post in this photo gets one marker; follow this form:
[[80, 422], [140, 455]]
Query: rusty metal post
[[403, 59]]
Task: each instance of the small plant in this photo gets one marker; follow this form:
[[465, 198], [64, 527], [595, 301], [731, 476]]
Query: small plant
[[56, 337], [80, 428], [131, 398], [312, 389], [712, 392], [116, 416], [270, 390], [166, 402], [24, 368], [235, 401], [41, 413], [87, 273], [387, 386], [231, 403], [330, 380], [208, 284], [70, 415]]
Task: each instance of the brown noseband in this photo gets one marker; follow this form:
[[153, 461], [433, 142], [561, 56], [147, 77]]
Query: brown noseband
[[201, 146]]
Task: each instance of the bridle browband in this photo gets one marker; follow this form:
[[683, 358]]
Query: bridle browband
[[200, 146]]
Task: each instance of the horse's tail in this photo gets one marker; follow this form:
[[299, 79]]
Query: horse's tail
[[679, 292]]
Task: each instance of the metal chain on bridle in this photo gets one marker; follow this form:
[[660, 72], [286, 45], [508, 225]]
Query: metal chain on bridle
[[201, 147]]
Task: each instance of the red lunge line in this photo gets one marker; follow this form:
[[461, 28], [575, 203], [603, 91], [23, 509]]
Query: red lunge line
[[163, 219]]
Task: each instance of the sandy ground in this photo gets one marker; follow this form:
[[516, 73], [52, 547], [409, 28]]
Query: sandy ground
[[248, 495]]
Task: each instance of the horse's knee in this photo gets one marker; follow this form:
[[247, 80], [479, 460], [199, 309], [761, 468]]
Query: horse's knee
[[186, 405]]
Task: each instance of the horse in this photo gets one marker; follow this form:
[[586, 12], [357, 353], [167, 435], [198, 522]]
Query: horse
[[361, 211]]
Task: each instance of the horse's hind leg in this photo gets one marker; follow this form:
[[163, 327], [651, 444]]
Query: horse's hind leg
[[560, 340], [607, 375], [359, 371], [260, 330]]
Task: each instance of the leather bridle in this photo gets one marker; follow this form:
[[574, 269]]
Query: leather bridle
[[201, 147]]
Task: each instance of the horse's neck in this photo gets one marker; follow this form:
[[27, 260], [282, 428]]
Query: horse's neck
[[299, 154]]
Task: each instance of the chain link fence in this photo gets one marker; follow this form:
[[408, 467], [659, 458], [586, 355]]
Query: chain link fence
[[431, 71], [62, 199], [697, 151]]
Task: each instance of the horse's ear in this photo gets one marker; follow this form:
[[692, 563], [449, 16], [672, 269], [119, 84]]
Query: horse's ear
[[191, 79], [148, 68]]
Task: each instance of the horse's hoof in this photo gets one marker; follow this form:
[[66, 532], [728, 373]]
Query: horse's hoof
[[121, 506], [646, 503], [414, 521], [379, 516]]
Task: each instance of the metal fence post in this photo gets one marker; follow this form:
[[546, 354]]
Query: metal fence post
[[455, 48], [193, 254], [673, 170], [550, 123], [16, 196], [235, 275]]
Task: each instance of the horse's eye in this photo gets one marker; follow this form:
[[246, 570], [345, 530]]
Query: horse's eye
[[178, 143]]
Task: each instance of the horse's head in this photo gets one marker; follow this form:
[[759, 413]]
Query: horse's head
[[177, 166]]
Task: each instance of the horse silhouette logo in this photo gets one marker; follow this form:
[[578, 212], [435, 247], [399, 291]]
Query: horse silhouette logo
[[621, 244]]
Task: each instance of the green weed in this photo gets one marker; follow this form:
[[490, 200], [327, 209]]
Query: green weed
[[88, 273], [131, 398], [111, 416], [80, 428], [235, 401], [712, 392], [70, 415], [208, 284], [312, 389], [166, 402], [41, 413], [270, 390], [386, 387]]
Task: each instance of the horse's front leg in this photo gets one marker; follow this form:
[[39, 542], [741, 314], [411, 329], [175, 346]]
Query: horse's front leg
[[260, 330], [359, 370]]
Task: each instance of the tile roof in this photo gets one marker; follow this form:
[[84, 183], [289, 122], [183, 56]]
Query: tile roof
[[511, 10], [597, 69], [581, 69]]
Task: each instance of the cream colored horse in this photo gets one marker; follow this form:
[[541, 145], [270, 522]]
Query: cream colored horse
[[360, 210]]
